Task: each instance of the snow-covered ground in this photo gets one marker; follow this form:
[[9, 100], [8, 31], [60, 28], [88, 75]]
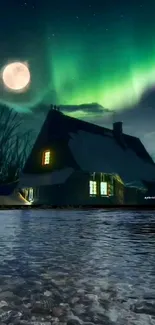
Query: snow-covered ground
[[13, 199]]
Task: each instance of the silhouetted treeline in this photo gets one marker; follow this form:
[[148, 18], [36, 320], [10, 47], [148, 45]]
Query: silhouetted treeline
[[15, 145]]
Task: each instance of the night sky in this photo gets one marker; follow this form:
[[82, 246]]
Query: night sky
[[84, 52]]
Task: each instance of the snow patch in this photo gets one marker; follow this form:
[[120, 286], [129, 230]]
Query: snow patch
[[13, 199]]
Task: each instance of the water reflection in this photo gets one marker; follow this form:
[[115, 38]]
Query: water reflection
[[105, 253]]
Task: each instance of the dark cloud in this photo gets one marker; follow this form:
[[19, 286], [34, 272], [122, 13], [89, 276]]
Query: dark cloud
[[148, 98], [92, 108]]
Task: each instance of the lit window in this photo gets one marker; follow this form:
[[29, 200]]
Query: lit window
[[92, 188], [103, 188], [46, 157], [31, 194]]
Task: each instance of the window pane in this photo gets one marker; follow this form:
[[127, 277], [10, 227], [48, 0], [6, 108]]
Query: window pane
[[92, 188], [31, 194], [103, 188], [46, 157]]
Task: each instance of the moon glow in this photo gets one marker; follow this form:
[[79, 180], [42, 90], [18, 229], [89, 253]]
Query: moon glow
[[16, 76]]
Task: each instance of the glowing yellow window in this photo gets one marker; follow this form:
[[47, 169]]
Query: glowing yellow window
[[46, 157], [92, 188], [104, 188]]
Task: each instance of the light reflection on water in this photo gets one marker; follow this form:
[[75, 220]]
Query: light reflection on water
[[105, 253]]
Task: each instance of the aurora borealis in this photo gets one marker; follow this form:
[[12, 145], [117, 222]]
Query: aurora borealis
[[80, 53], [88, 52]]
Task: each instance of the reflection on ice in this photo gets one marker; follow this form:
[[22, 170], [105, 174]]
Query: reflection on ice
[[85, 267]]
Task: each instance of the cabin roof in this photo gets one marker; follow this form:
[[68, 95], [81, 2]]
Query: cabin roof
[[65, 124], [89, 147]]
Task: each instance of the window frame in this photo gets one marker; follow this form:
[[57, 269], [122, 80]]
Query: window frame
[[92, 185], [101, 182], [31, 194], [44, 157]]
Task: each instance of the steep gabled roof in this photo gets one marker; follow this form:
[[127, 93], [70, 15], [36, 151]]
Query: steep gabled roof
[[82, 145], [71, 124]]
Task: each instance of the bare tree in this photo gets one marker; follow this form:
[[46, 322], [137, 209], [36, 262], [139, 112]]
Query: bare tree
[[15, 145]]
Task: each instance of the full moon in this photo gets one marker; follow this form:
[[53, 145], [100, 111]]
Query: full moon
[[16, 76]]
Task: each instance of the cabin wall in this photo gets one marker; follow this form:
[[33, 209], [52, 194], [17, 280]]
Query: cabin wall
[[130, 195], [150, 189], [134, 196], [60, 157], [118, 192], [72, 192], [75, 191]]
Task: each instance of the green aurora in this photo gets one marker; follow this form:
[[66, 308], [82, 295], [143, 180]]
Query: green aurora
[[111, 64], [115, 75]]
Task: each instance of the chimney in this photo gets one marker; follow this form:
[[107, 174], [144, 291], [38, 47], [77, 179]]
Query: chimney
[[117, 129], [52, 106]]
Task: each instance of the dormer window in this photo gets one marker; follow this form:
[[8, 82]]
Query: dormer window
[[46, 157]]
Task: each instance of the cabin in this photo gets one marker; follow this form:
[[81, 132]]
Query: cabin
[[74, 162]]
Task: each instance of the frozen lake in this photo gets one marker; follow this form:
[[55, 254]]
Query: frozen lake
[[77, 267]]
